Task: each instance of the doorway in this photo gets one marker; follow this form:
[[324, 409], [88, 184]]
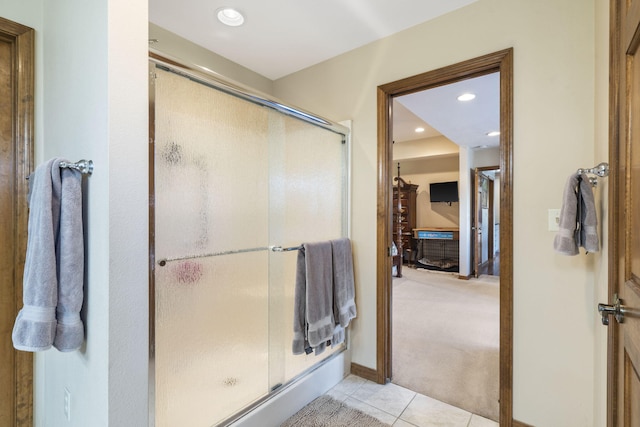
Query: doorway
[[486, 221], [16, 148], [445, 330], [501, 62]]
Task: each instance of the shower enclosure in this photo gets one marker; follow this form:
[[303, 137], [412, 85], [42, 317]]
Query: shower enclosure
[[236, 181]]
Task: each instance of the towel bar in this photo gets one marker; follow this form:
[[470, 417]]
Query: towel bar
[[600, 170], [85, 167], [281, 249], [164, 261]]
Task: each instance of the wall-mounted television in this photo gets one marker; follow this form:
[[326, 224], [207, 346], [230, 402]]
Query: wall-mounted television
[[443, 192]]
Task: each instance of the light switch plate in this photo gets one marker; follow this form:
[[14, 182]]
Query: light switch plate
[[554, 219]]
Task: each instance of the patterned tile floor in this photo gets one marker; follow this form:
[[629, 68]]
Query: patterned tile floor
[[401, 407]]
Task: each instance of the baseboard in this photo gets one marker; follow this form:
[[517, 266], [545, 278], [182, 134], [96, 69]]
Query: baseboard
[[519, 424], [364, 372], [464, 277]]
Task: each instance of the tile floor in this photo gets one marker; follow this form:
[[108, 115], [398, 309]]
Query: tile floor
[[401, 407]]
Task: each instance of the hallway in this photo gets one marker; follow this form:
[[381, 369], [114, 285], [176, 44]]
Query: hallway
[[491, 267]]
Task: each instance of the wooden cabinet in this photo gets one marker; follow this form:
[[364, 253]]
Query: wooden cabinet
[[404, 221]]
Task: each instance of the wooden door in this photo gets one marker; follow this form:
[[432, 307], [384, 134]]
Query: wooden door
[[16, 146], [624, 219], [483, 233], [477, 221]]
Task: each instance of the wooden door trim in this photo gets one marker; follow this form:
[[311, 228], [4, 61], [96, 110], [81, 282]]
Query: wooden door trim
[[22, 38], [501, 61], [616, 210]]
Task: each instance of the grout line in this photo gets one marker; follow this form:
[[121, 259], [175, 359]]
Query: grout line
[[405, 408]]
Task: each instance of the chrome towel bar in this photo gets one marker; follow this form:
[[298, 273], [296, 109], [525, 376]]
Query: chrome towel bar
[[600, 170], [85, 167], [164, 261]]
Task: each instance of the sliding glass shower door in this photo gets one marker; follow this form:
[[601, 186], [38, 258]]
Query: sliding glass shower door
[[233, 181]]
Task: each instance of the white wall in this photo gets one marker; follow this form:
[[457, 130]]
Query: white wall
[[128, 208], [91, 102], [554, 96]]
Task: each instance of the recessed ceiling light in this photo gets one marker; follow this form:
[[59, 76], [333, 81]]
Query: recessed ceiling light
[[466, 97], [493, 133], [230, 16], [419, 130]]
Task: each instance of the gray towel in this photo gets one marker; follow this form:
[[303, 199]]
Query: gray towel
[[343, 282], [70, 257], [578, 221], [588, 226], [51, 277], [314, 280], [319, 293], [300, 344]]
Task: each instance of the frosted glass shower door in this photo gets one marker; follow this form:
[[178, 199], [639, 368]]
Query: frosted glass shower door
[[233, 178], [308, 204], [211, 201]]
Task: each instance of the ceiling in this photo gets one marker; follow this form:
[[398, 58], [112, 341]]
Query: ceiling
[[466, 123], [280, 37]]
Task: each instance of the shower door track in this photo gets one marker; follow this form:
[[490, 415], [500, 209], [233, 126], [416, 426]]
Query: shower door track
[[210, 80], [277, 389]]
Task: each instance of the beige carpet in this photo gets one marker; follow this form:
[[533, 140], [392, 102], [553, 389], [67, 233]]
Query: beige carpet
[[328, 412], [446, 337]]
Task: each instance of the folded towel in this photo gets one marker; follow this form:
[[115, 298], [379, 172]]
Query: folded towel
[[588, 225], [70, 257], [578, 222], [300, 344], [319, 292], [338, 336], [343, 282], [314, 323], [35, 326], [47, 267]]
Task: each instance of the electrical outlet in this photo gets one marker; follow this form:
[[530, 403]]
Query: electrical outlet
[[554, 219], [67, 404]]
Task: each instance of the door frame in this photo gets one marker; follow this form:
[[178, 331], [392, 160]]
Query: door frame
[[502, 62], [22, 38], [617, 203]]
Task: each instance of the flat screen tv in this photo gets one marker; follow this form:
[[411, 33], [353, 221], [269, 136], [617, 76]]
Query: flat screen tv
[[443, 191]]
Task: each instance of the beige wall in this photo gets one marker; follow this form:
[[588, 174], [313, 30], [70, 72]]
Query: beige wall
[[554, 98], [601, 153], [423, 172], [175, 47]]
